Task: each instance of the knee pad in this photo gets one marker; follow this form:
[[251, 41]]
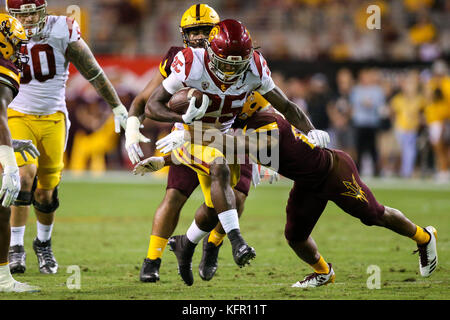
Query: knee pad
[[25, 198], [51, 207]]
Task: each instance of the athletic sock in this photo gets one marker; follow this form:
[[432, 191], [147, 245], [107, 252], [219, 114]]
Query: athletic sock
[[216, 238], [421, 236], [44, 232], [321, 266], [5, 274], [195, 234], [229, 220], [17, 234], [156, 247]]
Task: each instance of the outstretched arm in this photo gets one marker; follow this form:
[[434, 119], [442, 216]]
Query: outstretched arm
[[83, 59]]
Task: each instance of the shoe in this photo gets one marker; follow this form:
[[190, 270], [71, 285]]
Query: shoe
[[46, 259], [316, 279], [208, 265], [19, 287], [150, 270], [184, 250], [16, 259], [428, 258], [242, 252]]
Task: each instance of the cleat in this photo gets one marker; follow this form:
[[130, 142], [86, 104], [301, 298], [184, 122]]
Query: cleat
[[242, 252], [150, 270], [316, 279], [184, 250], [19, 287], [46, 259], [208, 265], [16, 259], [428, 258]]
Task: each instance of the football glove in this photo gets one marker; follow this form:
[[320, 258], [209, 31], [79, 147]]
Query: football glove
[[194, 113], [151, 164], [319, 138], [10, 185], [172, 141], [23, 146], [120, 117], [132, 139]]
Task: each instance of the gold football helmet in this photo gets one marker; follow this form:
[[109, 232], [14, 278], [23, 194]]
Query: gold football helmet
[[197, 16], [12, 37]]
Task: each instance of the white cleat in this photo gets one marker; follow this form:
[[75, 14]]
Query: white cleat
[[428, 258], [18, 287], [316, 279]]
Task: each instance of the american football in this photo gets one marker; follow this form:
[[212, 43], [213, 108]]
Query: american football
[[179, 102]]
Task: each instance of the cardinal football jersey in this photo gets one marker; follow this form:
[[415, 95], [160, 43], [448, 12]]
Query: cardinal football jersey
[[189, 69], [43, 84]]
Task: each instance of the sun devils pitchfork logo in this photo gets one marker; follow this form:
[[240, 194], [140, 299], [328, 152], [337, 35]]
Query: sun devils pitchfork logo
[[355, 190]]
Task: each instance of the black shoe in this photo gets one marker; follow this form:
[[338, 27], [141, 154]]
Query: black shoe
[[150, 270], [46, 259], [208, 265], [16, 259], [242, 252], [184, 250]]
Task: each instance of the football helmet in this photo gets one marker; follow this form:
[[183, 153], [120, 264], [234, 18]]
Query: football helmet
[[197, 16], [230, 50], [18, 8], [12, 37]]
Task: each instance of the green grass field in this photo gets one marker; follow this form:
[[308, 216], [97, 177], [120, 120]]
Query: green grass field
[[103, 227]]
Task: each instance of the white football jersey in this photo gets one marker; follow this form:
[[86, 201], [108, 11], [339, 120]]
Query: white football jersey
[[43, 84], [189, 69]]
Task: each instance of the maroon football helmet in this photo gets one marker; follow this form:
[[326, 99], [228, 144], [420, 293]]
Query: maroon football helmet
[[230, 50], [21, 8]]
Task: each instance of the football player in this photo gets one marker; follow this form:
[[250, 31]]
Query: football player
[[39, 113], [321, 175], [195, 26], [227, 71], [12, 37]]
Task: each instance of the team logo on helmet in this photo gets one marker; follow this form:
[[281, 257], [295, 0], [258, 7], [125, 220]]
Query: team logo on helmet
[[214, 32]]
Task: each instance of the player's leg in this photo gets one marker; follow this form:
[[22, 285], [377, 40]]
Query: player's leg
[[355, 198], [7, 282], [303, 210], [181, 182], [46, 200], [212, 243]]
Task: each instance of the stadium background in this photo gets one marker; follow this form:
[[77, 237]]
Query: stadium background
[[307, 43]]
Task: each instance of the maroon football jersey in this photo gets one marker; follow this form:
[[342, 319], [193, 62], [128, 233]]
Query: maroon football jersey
[[9, 75], [298, 159], [164, 66]]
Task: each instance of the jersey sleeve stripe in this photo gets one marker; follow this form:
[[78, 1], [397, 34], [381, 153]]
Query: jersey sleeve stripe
[[188, 59], [258, 63], [162, 68], [10, 74]]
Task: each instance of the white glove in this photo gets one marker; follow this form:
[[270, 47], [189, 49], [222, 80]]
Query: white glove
[[25, 145], [151, 164], [172, 141], [319, 138], [132, 139], [194, 113], [120, 117], [10, 185]]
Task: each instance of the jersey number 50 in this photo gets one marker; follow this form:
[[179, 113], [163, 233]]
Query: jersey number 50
[[44, 65]]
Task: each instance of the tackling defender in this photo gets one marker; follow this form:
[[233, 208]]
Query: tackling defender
[[195, 26], [227, 71], [321, 175], [12, 37], [39, 113]]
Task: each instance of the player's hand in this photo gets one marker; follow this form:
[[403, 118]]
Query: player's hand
[[319, 138], [151, 164], [132, 139], [120, 118], [194, 113], [10, 185], [23, 146], [172, 141]]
